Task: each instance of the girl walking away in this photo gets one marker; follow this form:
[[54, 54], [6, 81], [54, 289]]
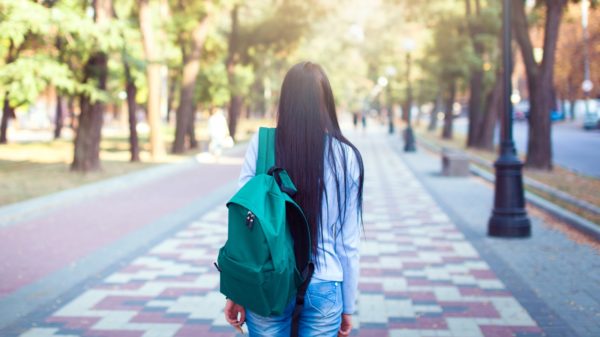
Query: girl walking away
[[328, 173]]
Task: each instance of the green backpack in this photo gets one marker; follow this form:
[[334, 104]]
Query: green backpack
[[261, 268]]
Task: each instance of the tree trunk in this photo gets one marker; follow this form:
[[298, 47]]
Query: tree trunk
[[448, 115], [475, 118], [572, 110], [89, 131], [235, 103], [434, 113], [484, 136], [171, 97], [539, 147], [71, 107], [419, 114], [153, 74], [7, 113], [183, 115], [86, 156], [60, 100], [191, 68], [571, 99], [235, 109], [553, 99], [539, 81], [60, 116], [475, 82], [191, 132], [131, 90], [260, 106]]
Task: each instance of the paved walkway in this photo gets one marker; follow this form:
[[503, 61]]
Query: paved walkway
[[420, 274], [51, 245]]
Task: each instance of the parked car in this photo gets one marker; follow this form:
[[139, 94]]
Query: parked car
[[521, 110], [557, 115], [591, 120], [591, 116], [588, 112]]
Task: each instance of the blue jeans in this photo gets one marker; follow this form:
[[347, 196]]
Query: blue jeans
[[321, 314]]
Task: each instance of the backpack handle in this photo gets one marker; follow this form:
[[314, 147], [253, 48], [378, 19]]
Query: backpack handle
[[266, 150], [283, 180], [265, 162]]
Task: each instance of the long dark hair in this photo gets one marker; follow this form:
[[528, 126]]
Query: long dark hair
[[307, 130]]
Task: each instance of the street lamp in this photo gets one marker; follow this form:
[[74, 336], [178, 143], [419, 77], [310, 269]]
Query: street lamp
[[587, 84], [509, 218], [409, 136], [356, 33], [391, 73], [382, 82]]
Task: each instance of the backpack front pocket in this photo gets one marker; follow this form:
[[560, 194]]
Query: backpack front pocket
[[244, 284]]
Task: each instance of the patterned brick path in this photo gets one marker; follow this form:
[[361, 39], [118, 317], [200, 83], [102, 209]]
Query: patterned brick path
[[419, 275]]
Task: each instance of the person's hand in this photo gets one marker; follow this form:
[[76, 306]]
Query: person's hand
[[346, 326], [235, 314]]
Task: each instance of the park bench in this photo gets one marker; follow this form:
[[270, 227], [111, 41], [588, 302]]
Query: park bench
[[455, 163]]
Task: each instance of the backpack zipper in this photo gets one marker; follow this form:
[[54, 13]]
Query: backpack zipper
[[250, 220]]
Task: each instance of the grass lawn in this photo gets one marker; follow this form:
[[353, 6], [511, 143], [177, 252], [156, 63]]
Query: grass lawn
[[31, 169], [579, 186]]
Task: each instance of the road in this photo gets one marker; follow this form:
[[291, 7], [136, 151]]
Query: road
[[574, 148]]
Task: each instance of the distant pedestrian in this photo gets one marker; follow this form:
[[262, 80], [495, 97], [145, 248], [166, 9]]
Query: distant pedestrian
[[328, 173], [355, 119], [218, 133], [364, 120]]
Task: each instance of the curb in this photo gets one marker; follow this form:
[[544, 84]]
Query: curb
[[556, 193], [567, 216]]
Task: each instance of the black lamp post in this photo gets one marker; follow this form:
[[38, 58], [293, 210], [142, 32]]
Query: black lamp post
[[509, 218], [391, 73], [587, 84], [390, 109], [409, 136]]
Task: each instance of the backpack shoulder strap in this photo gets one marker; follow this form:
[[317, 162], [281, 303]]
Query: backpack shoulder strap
[[266, 150], [301, 293]]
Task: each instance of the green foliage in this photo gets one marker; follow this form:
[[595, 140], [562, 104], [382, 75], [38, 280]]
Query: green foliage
[[213, 87], [451, 51], [20, 18], [27, 77], [244, 76], [278, 28], [131, 52], [541, 3], [426, 90], [185, 16], [486, 29], [355, 43], [29, 32], [50, 42]]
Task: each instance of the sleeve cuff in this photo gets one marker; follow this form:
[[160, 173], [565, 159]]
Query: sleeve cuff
[[348, 311]]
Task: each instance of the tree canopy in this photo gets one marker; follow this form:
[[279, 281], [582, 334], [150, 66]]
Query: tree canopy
[[186, 56]]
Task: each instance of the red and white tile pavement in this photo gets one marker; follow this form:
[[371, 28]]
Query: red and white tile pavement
[[420, 276]]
